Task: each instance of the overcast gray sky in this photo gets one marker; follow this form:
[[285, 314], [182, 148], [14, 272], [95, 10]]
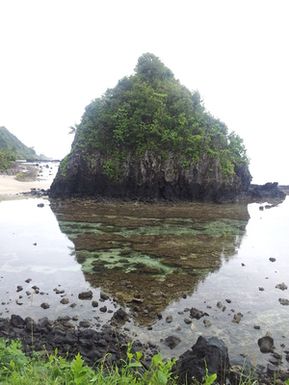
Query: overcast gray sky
[[58, 55]]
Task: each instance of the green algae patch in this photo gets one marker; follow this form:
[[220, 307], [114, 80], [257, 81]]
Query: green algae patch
[[72, 228], [116, 259], [222, 228], [164, 229]]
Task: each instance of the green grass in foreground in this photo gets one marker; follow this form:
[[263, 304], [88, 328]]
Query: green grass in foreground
[[18, 369]]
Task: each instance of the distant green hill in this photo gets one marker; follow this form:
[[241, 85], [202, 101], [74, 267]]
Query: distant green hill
[[9, 143]]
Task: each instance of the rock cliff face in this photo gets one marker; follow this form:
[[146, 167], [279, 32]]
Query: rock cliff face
[[148, 178], [150, 138]]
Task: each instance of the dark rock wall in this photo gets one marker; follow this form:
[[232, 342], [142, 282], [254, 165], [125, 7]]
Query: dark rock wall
[[148, 178]]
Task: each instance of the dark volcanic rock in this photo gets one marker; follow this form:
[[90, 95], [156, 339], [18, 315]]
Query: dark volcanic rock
[[284, 301], [61, 335], [17, 321], [237, 318], [103, 296], [266, 344], [172, 341], [64, 301], [281, 286], [120, 317], [266, 191], [197, 314], [210, 353], [85, 295], [148, 178]]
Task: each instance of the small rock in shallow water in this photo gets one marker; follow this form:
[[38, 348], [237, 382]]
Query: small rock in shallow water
[[207, 323], [237, 318], [64, 301], [169, 319], [57, 291], [19, 288], [281, 286], [257, 327], [266, 344], [85, 295], [45, 305], [103, 309], [172, 341], [120, 316], [271, 259], [28, 280], [219, 305], [261, 289], [228, 300], [284, 301], [94, 303], [187, 321], [197, 314], [103, 296]]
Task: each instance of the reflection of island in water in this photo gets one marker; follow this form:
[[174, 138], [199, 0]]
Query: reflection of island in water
[[147, 255]]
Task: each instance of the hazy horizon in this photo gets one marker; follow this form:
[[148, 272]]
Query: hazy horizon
[[58, 56]]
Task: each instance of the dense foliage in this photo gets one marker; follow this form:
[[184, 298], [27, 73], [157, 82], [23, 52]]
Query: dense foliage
[[18, 369], [151, 111], [6, 158], [9, 144]]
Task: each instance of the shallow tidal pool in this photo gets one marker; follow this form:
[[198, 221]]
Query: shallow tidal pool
[[158, 261]]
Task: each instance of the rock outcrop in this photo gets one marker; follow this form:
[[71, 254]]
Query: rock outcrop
[[148, 178], [266, 191], [209, 354]]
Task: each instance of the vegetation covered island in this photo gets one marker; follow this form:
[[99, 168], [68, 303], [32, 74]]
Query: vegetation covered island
[[150, 138]]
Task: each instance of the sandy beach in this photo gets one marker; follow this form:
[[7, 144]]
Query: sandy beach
[[10, 187]]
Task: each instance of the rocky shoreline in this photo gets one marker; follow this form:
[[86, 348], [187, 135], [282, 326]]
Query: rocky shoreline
[[270, 191], [110, 346]]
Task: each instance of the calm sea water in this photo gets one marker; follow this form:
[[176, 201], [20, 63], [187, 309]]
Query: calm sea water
[[155, 260]]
